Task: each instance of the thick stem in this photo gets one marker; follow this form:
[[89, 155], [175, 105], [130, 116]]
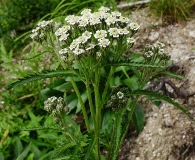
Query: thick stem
[[82, 104], [98, 111]]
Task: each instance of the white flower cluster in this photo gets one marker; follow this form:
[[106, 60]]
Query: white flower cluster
[[91, 32], [39, 32], [55, 105], [157, 51]]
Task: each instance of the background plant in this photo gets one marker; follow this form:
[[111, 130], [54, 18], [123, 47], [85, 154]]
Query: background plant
[[173, 10]]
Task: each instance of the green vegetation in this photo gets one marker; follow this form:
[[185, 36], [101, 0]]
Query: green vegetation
[[28, 130], [171, 11]]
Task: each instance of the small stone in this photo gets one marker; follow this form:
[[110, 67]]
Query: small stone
[[192, 34], [153, 36]]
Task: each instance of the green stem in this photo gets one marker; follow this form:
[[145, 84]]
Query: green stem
[[90, 101], [98, 112], [82, 104]]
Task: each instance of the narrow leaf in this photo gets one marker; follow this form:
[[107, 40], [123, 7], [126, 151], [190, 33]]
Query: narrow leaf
[[39, 76], [163, 97]]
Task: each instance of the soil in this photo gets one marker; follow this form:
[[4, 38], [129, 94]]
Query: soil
[[168, 133]]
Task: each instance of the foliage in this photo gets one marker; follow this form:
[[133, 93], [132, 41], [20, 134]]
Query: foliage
[[98, 79], [173, 10]]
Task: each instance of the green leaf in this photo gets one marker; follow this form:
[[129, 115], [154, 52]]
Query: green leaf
[[24, 153], [138, 118], [172, 74], [135, 64], [163, 97], [18, 147], [132, 83], [39, 76]]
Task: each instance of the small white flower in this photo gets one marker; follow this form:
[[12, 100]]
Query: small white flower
[[99, 34], [149, 54], [34, 35], [87, 34], [116, 14], [134, 26], [72, 19], [120, 95], [130, 40], [104, 42], [74, 45], [103, 9], [90, 46], [110, 20], [63, 37], [99, 54], [78, 51], [106, 15], [42, 35], [94, 20], [86, 11], [123, 31], [83, 22], [159, 45], [123, 19], [114, 32], [82, 39], [63, 51]]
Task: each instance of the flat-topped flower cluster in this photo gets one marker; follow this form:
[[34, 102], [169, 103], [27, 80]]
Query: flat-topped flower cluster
[[94, 33]]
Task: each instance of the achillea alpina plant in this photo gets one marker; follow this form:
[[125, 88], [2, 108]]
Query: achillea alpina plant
[[91, 47]]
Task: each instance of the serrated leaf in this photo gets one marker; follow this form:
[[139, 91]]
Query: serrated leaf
[[163, 97], [39, 76], [136, 64], [172, 74]]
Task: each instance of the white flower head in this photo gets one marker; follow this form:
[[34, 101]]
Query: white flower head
[[100, 34], [95, 19], [62, 30], [87, 34], [114, 32], [103, 9], [63, 51], [74, 45], [159, 45], [90, 46], [123, 31], [63, 37], [148, 54], [134, 26], [130, 40], [83, 21], [104, 42], [78, 51], [116, 14], [106, 15], [82, 39], [86, 12], [120, 95], [72, 19], [110, 20], [123, 19]]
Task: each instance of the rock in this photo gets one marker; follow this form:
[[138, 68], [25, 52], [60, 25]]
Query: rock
[[192, 34], [153, 36]]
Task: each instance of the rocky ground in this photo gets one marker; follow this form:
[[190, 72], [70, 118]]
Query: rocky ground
[[168, 134]]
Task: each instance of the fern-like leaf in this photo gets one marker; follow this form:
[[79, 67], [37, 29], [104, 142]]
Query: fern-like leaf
[[136, 64], [39, 76], [163, 97]]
